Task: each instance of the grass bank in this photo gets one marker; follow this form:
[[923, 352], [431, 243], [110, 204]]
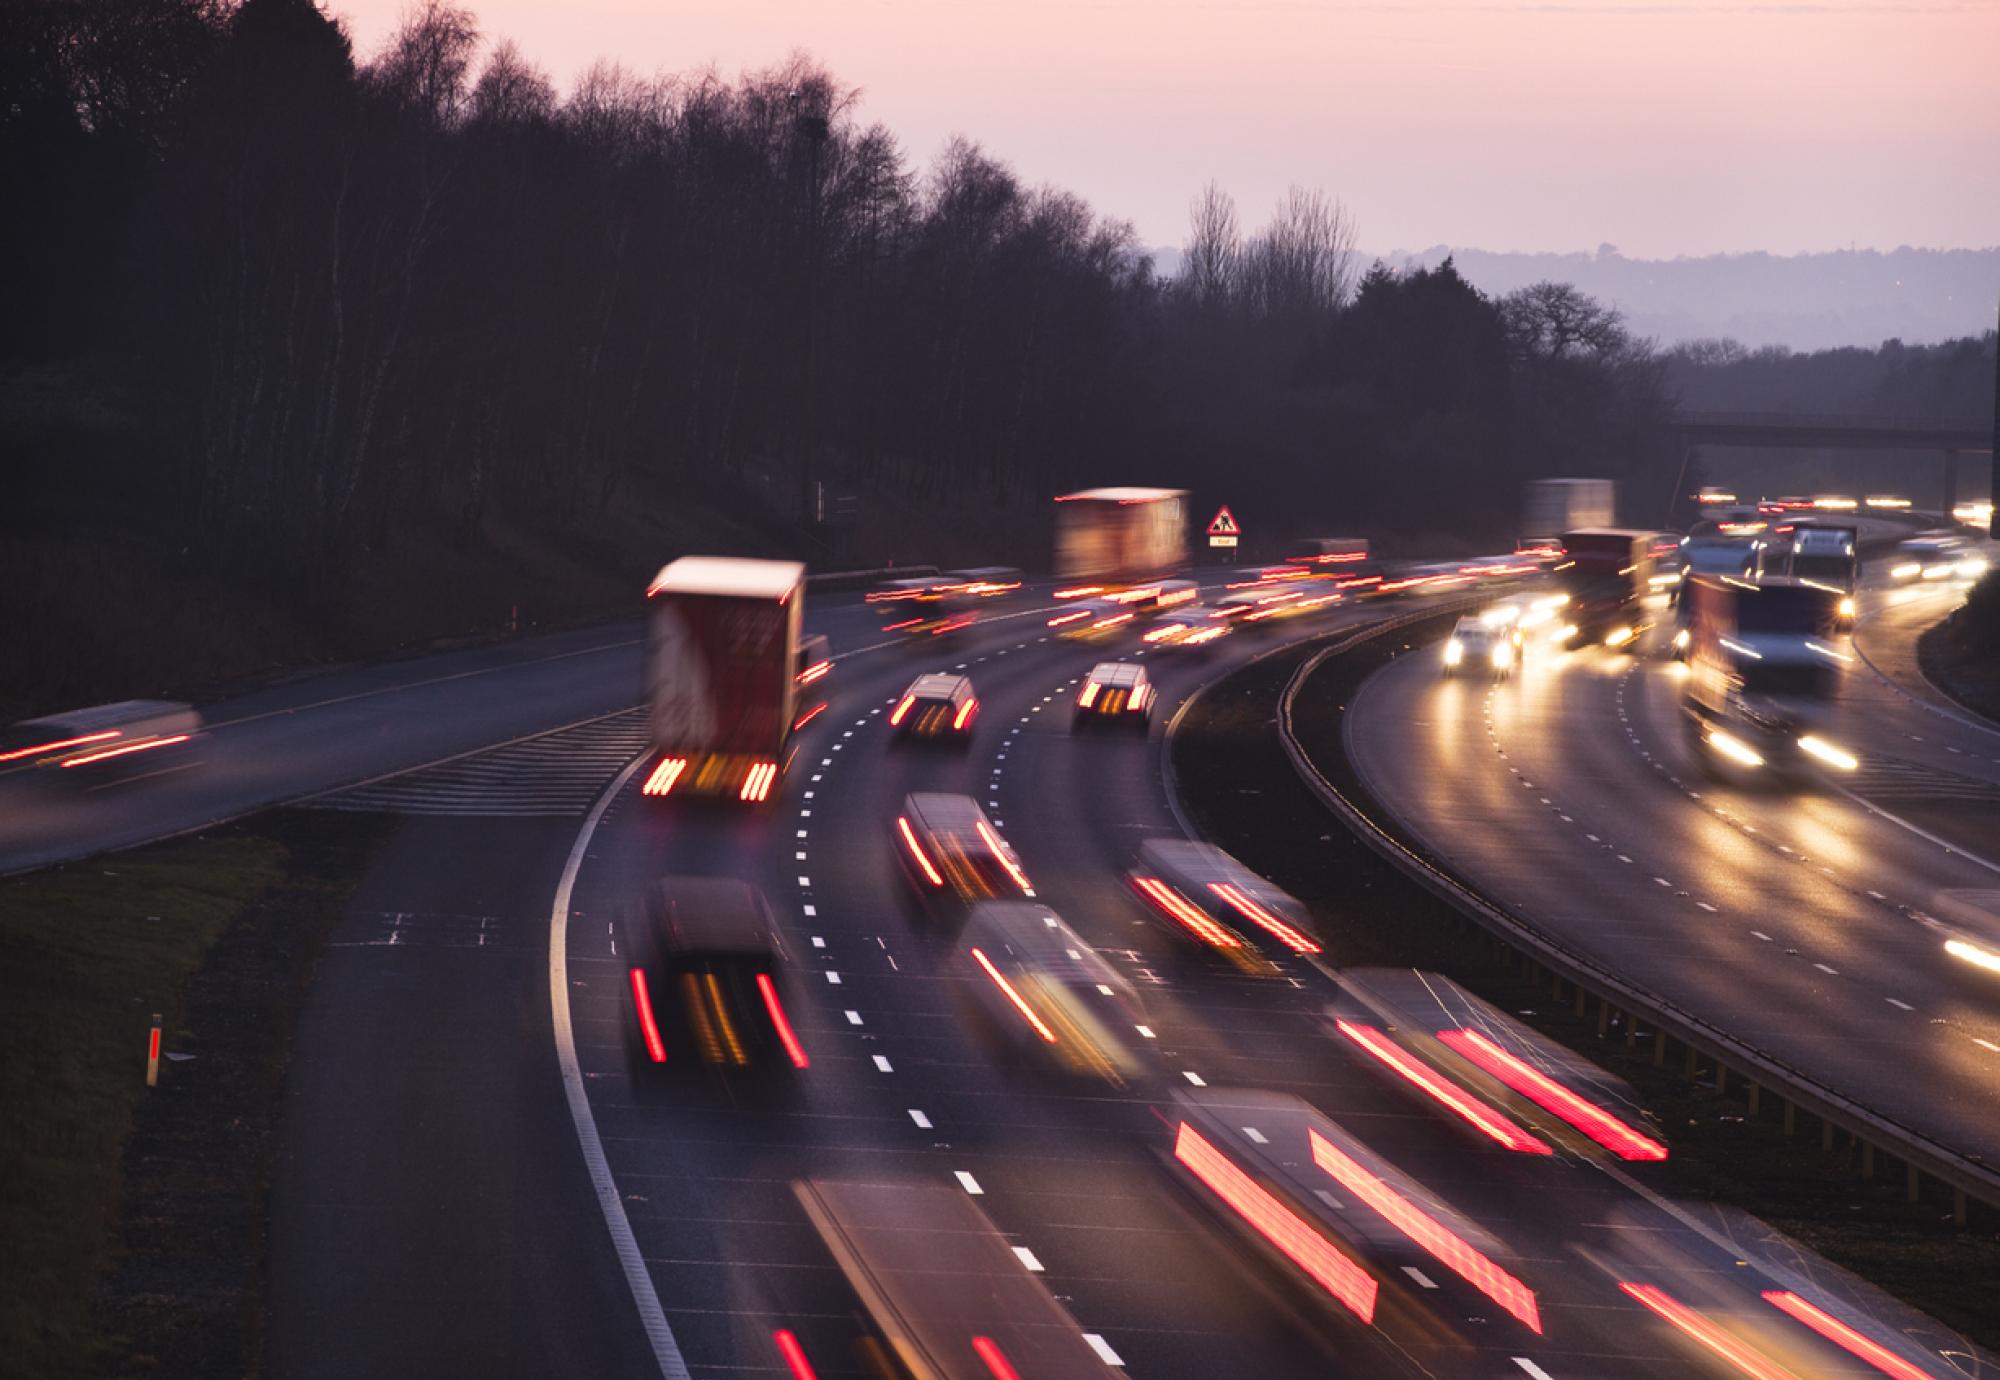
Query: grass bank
[[1242, 793], [1961, 655], [130, 1219]]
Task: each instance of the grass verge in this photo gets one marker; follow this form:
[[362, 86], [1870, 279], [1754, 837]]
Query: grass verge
[[1961, 655], [130, 1219], [1241, 792]]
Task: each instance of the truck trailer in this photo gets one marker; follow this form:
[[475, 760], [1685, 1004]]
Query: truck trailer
[[1107, 539], [1554, 506], [722, 674]]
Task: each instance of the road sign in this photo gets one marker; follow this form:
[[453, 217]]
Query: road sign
[[1222, 541], [1223, 524]]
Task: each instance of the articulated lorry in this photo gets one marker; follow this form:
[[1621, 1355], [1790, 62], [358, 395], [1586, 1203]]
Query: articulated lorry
[[1606, 573], [723, 674], [1108, 539], [1763, 673]]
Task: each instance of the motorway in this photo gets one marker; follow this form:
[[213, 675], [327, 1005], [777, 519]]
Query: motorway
[[472, 1181], [1800, 921]]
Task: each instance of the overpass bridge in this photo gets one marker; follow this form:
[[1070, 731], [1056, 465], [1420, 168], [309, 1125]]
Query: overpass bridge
[[1803, 431]]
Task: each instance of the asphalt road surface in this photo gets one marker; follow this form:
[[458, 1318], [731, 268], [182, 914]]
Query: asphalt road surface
[[1799, 920], [447, 1204]]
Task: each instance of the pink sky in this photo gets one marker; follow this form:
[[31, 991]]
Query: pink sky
[[1659, 126]]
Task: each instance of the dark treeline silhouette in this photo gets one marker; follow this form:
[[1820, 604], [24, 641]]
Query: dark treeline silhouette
[[272, 311], [1948, 382]]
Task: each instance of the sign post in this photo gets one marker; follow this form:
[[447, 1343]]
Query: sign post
[[1223, 532]]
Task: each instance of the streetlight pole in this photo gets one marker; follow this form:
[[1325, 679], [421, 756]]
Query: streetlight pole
[[1993, 456]]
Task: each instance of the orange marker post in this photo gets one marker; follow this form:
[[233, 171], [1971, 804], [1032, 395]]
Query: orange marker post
[[153, 1054]]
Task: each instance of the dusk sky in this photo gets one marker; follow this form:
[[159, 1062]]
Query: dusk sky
[[1662, 127]]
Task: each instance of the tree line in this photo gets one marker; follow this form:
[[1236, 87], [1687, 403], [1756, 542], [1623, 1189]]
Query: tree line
[[274, 308]]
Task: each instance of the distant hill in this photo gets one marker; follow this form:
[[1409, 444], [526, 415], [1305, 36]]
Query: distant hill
[[1805, 301]]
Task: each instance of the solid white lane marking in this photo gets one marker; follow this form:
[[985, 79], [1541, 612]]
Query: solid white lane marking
[[968, 1183], [638, 1280], [923, 1122], [1103, 1350], [1027, 1258], [882, 1063]]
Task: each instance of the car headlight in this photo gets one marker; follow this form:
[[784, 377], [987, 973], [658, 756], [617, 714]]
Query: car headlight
[[1681, 640], [1905, 570], [1454, 652], [1503, 655], [1847, 607], [1618, 637]]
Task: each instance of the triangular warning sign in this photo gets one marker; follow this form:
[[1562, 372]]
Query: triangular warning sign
[[1223, 524]]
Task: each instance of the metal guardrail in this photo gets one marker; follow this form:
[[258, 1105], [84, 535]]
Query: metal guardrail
[[1966, 1174]]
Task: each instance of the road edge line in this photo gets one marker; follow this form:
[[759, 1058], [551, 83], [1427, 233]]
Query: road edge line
[[653, 1318]]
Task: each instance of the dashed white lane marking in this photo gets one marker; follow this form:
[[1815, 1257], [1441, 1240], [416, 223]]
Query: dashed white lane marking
[[968, 1183], [1529, 1366], [1147, 1031], [853, 1017], [1256, 1135], [1194, 1078], [1830, 972], [805, 881], [923, 1122], [1593, 838], [1103, 1350], [1707, 907], [1028, 1258], [1662, 881], [1986, 1044], [810, 911], [833, 977], [819, 942], [798, 857], [1763, 936], [1899, 1005], [1423, 1280], [1622, 858], [882, 1063]]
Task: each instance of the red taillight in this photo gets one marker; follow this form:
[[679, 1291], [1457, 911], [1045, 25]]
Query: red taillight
[[809, 716], [1446, 1094], [59, 745], [910, 840], [988, 1351], [757, 784], [1089, 695], [964, 715], [1063, 618], [896, 714], [793, 1049], [814, 672], [1190, 915], [794, 1354], [906, 623], [642, 1002], [1843, 1336], [1278, 1224], [1007, 990], [663, 777], [125, 749], [1602, 1127], [1451, 1250], [1722, 1343], [1077, 592], [1251, 910], [1004, 854]]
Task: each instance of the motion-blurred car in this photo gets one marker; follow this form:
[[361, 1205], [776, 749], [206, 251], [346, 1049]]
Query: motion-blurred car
[[1206, 896], [985, 581], [1116, 691], [1046, 994], [131, 736], [1089, 619], [938, 705], [704, 966], [1186, 629], [952, 853], [1932, 556], [1479, 647]]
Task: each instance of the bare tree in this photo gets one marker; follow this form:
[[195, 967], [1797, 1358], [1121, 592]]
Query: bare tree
[[511, 90], [1209, 263], [1303, 264], [427, 63]]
